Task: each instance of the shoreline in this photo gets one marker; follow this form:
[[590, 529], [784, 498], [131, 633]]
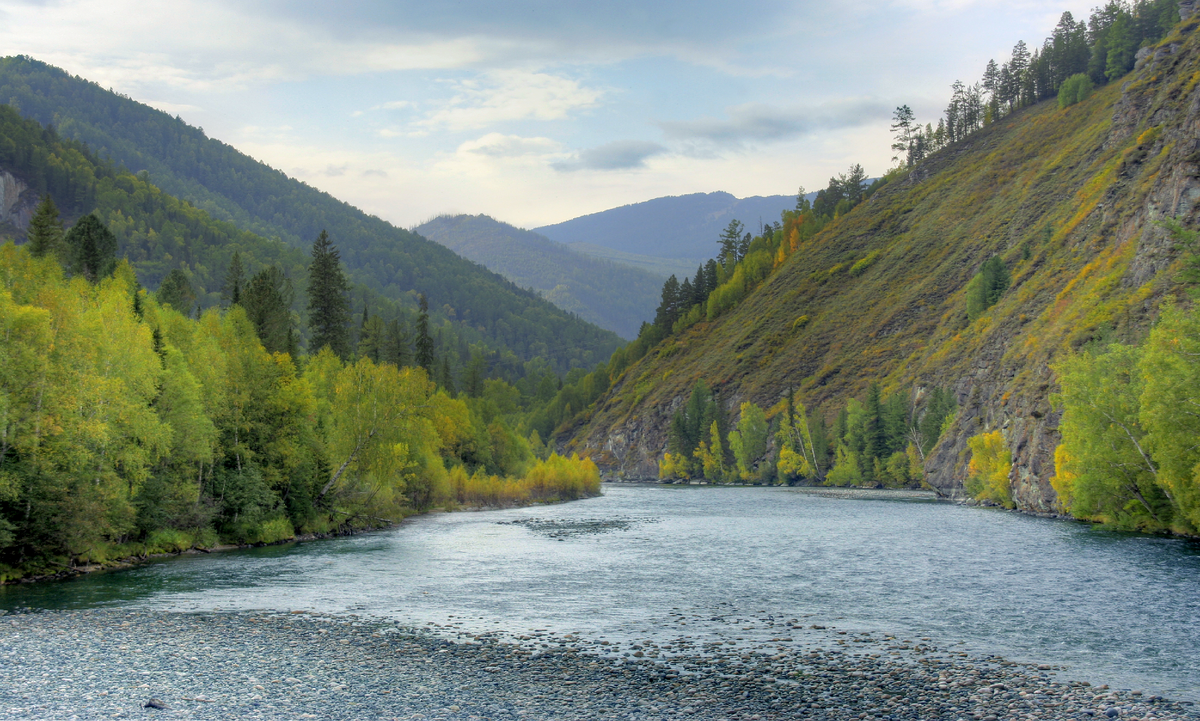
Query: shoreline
[[269, 665], [132, 561]]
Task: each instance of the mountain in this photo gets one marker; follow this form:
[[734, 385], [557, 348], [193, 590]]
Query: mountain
[[617, 297], [678, 227], [389, 264], [1068, 199]]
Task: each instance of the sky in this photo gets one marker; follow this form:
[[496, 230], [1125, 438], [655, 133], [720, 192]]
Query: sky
[[536, 111]]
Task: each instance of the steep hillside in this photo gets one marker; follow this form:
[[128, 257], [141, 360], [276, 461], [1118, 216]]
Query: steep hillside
[[232, 187], [616, 297], [684, 227], [1068, 198]]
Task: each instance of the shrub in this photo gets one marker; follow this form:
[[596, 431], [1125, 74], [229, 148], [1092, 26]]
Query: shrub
[[991, 462], [1074, 89]]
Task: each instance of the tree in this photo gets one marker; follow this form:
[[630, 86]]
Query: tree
[[424, 344], [328, 304], [749, 441], [668, 309], [176, 291], [986, 288], [902, 129], [268, 303], [91, 249], [231, 290], [45, 230], [730, 238]]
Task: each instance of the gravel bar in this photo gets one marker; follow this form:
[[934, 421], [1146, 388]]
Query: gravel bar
[[273, 665]]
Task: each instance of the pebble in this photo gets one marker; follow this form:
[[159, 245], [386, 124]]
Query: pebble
[[137, 664]]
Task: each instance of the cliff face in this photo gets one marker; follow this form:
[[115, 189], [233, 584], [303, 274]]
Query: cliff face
[[1071, 199], [17, 203]]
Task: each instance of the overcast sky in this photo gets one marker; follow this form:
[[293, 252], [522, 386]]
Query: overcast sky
[[536, 111]]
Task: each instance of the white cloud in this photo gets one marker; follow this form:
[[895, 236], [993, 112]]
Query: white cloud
[[763, 123], [497, 145], [617, 155], [499, 96]]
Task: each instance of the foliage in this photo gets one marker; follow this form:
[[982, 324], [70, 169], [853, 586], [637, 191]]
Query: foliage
[[1074, 89], [124, 421], [748, 441], [232, 202], [987, 286], [991, 464]]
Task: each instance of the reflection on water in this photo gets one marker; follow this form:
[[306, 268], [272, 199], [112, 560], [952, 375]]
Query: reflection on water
[[1116, 608]]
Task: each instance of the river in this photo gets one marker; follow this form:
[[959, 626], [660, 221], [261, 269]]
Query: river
[[661, 562]]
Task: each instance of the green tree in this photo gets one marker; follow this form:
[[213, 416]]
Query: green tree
[[987, 286], [91, 249], [425, 356], [176, 291], [328, 304], [1103, 467], [731, 237], [45, 230], [235, 280], [748, 441], [268, 303]]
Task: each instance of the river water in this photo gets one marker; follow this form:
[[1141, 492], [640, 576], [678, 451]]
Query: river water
[[710, 563]]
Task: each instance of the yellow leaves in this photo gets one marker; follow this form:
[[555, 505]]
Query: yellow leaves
[[991, 463], [674, 466]]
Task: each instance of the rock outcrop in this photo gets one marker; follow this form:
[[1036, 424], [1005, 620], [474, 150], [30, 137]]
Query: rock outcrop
[[17, 202]]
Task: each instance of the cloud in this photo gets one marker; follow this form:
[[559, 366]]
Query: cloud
[[394, 105], [761, 123], [497, 145], [374, 173], [617, 155], [507, 95]]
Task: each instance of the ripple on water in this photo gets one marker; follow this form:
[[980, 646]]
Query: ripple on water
[[715, 565]]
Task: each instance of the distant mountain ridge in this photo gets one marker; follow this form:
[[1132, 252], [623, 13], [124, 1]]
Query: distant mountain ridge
[[677, 226], [391, 265], [613, 296]]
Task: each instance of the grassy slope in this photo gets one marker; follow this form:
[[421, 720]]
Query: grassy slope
[[1075, 187], [613, 296]]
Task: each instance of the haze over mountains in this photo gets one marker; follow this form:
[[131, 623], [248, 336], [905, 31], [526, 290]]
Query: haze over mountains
[[613, 296], [389, 265], [683, 228]]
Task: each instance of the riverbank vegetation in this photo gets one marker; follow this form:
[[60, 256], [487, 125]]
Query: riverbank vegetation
[[129, 427]]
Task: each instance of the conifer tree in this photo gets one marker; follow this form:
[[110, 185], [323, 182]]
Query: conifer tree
[[328, 306], [91, 249], [45, 230], [176, 291], [268, 303], [424, 343], [730, 238], [231, 292]]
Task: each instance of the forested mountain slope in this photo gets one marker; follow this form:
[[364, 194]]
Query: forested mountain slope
[[613, 296], [1069, 199], [232, 187]]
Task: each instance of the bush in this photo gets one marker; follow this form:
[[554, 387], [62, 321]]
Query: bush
[[1074, 89], [991, 462]]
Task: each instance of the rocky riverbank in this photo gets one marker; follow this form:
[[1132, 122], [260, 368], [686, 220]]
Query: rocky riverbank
[[144, 664]]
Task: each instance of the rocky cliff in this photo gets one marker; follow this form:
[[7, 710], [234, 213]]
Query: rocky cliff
[[17, 203], [1070, 199]]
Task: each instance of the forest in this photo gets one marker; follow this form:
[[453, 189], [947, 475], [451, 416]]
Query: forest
[[1006, 327], [132, 424], [388, 266]]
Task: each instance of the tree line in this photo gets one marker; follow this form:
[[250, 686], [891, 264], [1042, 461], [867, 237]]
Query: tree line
[[880, 441], [1076, 57], [132, 423]]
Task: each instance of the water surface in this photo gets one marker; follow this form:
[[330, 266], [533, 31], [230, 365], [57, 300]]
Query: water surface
[[1115, 608]]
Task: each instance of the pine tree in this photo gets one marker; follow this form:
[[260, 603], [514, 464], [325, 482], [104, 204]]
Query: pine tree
[[231, 292], [91, 249], [45, 230], [730, 238], [176, 291], [268, 304], [424, 344], [328, 306]]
